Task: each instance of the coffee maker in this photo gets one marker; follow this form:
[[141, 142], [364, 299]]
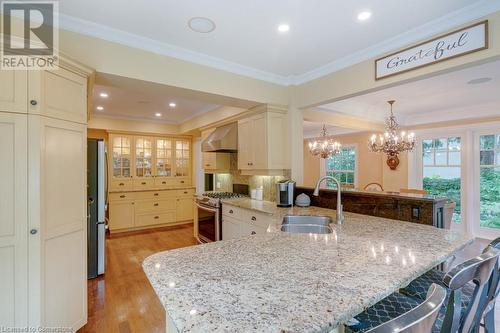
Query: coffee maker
[[284, 193]]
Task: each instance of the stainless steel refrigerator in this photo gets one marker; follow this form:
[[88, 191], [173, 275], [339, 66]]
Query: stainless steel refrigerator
[[96, 207]]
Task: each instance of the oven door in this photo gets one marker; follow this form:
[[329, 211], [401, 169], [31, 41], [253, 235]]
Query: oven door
[[208, 224]]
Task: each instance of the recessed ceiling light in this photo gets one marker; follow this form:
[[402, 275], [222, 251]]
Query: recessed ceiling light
[[157, 114], [201, 24], [363, 16], [103, 95], [480, 80], [99, 108], [283, 27], [172, 105]]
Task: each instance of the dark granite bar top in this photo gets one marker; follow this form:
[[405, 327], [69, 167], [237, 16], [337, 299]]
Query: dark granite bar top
[[387, 194]]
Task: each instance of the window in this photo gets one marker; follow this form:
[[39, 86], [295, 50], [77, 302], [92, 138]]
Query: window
[[442, 169], [342, 167], [489, 180]]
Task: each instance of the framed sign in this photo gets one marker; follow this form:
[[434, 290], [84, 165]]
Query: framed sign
[[451, 45]]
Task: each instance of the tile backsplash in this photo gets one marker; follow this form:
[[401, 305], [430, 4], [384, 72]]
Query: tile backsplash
[[225, 181]]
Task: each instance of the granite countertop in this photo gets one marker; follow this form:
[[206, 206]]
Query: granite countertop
[[283, 282]]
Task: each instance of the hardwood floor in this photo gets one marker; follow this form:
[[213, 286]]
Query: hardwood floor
[[123, 301]]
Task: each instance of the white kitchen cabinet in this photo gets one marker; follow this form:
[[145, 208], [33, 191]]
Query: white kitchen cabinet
[[43, 198], [184, 209], [230, 228], [216, 161], [239, 222], [262, 147]]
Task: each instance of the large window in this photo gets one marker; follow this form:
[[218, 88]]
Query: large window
[[442, 169], [489, 173], [342, 167]]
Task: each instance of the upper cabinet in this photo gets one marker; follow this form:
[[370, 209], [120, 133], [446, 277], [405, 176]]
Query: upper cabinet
[[59, 94], [144, 162], [262, 139], [14, 91]]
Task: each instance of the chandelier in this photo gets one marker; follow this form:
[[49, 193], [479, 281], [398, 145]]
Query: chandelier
[[324, 146], [391, 142]]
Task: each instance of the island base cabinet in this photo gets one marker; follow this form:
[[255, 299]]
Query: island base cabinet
[[233, 228]]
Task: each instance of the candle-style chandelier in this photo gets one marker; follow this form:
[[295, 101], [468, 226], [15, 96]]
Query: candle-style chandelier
[[324, 146], [391, 142]]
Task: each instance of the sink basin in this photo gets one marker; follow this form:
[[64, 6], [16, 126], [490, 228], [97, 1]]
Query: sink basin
[[307, 219], [306, 228]]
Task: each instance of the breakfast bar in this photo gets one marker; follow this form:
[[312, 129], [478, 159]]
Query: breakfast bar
[[289, 282]]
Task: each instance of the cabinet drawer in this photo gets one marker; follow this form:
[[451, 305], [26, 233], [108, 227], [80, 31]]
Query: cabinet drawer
[[161, 182], [189, 192], [142, 220], [180, 181], [156, 195], [153, 206], [125, 196], [246, 215], [121, 184], [143, 183]]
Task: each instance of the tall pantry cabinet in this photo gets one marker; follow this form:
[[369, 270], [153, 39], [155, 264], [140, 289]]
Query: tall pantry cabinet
[[43, 234]]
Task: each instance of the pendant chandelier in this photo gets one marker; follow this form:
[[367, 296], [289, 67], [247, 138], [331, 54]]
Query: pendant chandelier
[[323, 146], [391, 142]]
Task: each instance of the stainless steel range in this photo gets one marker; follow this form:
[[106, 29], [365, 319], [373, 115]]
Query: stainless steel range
[[209, 220]]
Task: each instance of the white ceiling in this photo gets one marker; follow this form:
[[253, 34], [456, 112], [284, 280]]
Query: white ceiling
[[440, 98], [324, 35], [134, 99], [312, 129]]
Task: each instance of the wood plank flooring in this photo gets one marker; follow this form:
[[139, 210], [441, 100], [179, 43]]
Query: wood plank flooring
[[123, 301]]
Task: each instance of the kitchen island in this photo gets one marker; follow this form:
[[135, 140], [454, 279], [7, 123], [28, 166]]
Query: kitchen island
[[282, 282]]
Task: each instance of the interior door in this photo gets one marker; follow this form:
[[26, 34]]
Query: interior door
[[487, 183], [13, 221]]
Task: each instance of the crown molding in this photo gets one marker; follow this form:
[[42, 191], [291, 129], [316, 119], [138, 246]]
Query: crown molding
[[444, 23]]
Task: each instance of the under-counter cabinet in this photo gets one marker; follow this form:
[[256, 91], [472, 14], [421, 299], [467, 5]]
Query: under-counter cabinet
[[43, 130], [262, 142], [239, 222]]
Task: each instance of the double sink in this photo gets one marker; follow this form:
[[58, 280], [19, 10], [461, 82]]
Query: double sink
[[309, 224]]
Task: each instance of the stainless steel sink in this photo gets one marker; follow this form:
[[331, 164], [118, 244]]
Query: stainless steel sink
[[307, 219], [306, 228]]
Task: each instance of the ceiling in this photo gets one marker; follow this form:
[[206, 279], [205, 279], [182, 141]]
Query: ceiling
[[439, 98], [324, 35], [312, 129], [134, 99]]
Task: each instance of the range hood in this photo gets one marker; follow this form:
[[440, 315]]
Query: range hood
[[224, 139]]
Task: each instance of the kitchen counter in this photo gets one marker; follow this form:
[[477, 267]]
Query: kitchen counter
[[282, 282]]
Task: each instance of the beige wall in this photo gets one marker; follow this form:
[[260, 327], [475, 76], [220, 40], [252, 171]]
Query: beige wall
[[371, 166]]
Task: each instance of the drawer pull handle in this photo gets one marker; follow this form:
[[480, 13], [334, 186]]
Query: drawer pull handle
[[182, 182], [230, 211], [157, 217], [143, 183], [121, 184], [254, 218], [156, 205], [33, 102], [254, 233], [185, 192], [122, 196], [163, 183], [156, 194]]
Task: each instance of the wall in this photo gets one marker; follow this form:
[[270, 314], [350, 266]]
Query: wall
[[370, 165]]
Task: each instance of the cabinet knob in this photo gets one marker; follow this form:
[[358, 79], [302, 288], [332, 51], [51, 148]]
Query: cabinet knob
[[33, 102], [122, 196], [156, 194], [182, 182], [121, 184], [163, 183], [254, 233], [185, 192], [157, 217], [156, 204], [230, 211], [33, 231], [254, 218], [143, 183]]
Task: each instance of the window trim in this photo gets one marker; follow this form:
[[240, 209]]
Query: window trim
[[323, 165]]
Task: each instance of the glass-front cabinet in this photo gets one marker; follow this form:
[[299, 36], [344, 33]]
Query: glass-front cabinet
[[147, 161]]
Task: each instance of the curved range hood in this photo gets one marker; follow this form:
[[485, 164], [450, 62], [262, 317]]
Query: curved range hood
[[224, 140]]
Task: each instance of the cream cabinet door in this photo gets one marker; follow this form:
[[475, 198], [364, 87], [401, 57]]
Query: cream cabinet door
[[259, 142], [184, 209], [121, 215], [230, 228], [59, 94], [13, 91], [58, 210], [120, 157], [13, 220], [245, 147]]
